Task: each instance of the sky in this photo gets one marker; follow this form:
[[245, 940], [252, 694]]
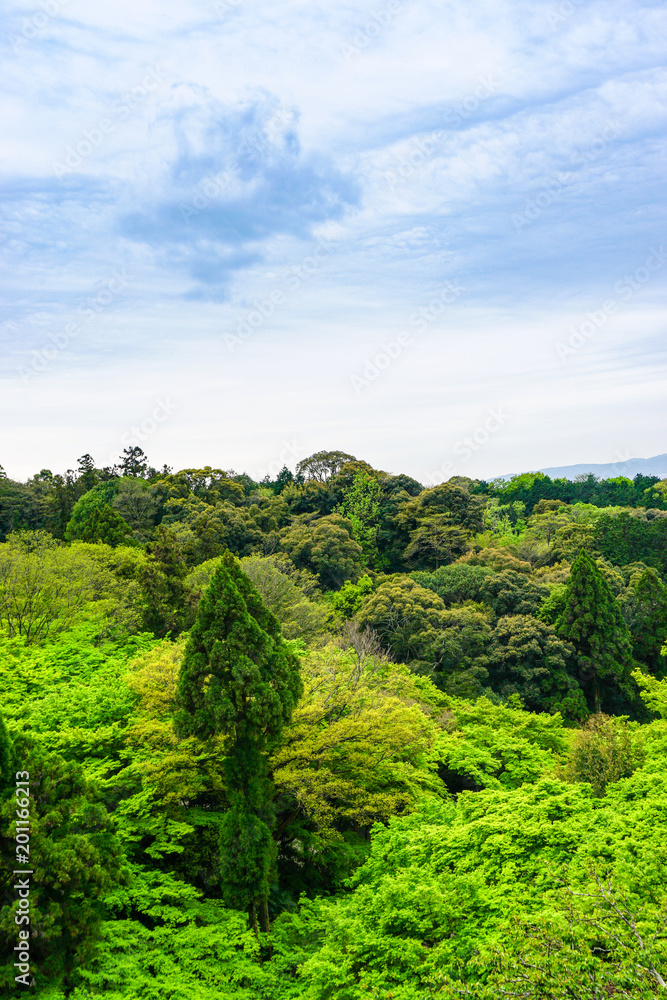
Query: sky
[[429, 234]]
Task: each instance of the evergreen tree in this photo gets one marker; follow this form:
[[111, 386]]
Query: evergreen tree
[[592, 621], [161, 578], [239, 679], [645, 608], [87, 474], [133, 462], [105, 525]]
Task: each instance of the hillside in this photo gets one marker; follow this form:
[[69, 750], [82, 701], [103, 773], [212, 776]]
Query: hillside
[[332, 734]]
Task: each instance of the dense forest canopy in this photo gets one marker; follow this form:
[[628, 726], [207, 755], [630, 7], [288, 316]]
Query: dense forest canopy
[[334, 734]]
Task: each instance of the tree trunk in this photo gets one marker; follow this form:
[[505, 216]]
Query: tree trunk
[[264, 915]]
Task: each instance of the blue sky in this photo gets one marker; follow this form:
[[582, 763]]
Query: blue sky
[[430, 234]]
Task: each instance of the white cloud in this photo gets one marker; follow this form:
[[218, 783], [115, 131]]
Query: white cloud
[[305, 141]]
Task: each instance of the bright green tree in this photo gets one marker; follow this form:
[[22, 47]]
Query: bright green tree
[[593, 623], [604, 750], [44, 587], [6, 758], [361, 504], [239, 679]]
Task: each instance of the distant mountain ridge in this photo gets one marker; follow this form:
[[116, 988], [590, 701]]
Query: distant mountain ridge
[[656, 466]]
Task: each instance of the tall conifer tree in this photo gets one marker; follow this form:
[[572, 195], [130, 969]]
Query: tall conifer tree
[[239, 679], [592, 621], [646, 615]]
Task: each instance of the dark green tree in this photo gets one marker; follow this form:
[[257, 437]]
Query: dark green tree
[[162, 581], [86, 474], [645, 609], [512, 593], [592, 621], [324, 545], [105, 525], [408, 619], [239, 679], [76, 861], [133, 462], [527, 658]]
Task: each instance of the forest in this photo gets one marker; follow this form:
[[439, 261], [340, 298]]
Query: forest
[[332, 735]]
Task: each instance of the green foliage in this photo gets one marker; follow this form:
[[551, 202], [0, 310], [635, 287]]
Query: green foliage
[[645, 611], [239, 679], [362, 741], [6, 758], [46, 588], [325, 546], [75, 859], [350, 597], [278, 583], [529, 660], [103, 524], [323, 464], [238, 676], [552, 607], [99, 496], [462, 651], [605, 750], [209, 954], [456, 583], [592, 621], [450, 827], [498, 746], [408, 619], [161, 578], [361, 505], [626, 538], [512, 593]]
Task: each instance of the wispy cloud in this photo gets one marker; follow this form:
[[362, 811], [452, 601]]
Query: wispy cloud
[[516, 148]]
